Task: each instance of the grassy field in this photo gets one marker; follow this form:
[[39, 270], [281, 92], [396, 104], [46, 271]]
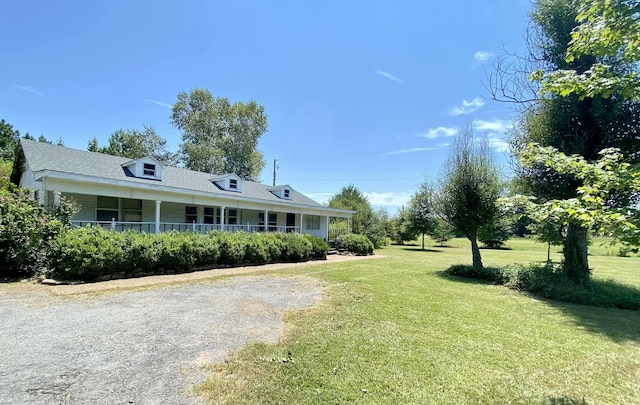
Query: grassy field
[[396, 330]]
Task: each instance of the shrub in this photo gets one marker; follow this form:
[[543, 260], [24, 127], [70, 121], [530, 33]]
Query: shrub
[[550, 282], [295, 247], [354, 243], [319, 248], [26, 230]]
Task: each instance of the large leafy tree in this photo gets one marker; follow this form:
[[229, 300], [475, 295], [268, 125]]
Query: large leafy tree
[[400, 228], [135, 144], [469, 189], [421, 210], [570, 122], [219, 137], [610, 31]]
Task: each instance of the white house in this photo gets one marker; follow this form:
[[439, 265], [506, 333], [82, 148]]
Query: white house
[[145, 195]]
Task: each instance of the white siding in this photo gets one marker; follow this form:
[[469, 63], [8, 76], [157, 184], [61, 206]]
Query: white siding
[[87, 206]]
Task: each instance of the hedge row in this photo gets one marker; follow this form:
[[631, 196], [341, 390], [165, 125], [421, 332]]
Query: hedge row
[[93, 253], [549, 281]]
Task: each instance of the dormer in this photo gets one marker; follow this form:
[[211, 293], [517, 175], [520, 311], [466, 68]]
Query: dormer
[[228, 182], [285, 192], [145, 168]]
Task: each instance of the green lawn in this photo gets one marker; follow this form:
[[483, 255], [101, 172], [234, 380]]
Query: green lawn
[[396, 330]]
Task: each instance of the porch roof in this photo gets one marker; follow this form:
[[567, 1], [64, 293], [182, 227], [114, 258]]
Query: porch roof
[[47, 159]]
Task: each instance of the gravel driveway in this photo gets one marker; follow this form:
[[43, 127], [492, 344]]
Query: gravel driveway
[[136, 347]]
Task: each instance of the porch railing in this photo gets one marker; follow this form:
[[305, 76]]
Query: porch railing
[[150, 227]]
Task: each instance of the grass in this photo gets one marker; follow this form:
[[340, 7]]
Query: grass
[[395, 330]]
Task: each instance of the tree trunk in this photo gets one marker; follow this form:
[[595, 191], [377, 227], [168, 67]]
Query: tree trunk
[[475, 251], [576, 264], [548, 252], [423, 241]]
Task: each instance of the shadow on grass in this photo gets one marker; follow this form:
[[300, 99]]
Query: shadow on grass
[[595, 312], [418, 249], [564, 401]]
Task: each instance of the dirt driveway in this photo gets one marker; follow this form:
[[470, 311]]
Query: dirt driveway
[[104, 343]]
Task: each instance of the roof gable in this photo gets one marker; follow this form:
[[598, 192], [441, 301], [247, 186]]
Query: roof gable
[[145, 168]]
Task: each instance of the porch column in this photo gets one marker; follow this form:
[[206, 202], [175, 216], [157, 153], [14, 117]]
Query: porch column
[[348, 225], [158, 216], [266, 220], [222, 218], [56, 198], [327, 231], [301, 222]]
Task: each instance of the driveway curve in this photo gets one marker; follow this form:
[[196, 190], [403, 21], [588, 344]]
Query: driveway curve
[[143, 347]]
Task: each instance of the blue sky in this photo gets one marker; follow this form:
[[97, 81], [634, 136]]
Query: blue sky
[[368, 93]]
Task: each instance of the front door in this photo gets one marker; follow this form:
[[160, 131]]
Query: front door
[[291, 222]]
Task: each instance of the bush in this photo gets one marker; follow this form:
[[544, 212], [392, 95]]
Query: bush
[[295, 247], [354, 243], [26, 230], [319, 248], [550, 282]]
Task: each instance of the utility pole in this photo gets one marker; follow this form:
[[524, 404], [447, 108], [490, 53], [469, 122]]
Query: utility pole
[[275, 166]]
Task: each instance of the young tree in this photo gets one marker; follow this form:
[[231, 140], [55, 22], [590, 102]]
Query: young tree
[[470, 188], [494, 234], [134, 144], [421, 210], [219, 137], [400, 227], [442, 231]]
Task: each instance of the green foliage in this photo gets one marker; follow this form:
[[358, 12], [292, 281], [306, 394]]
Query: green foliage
[[8, 140], [364, 221], [6, 166], [217, 136], [134, 144], [470, 188], [442, 231], [422, 211], [494, 234], [609, 30], [93, 252], [319, 248], [27, 230], [354, 243], [400, 229], [551, 282]]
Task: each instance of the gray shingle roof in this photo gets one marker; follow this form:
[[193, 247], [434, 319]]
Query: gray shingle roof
[[42, 156]]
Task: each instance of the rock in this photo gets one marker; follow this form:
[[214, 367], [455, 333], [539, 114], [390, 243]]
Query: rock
[[50, 281]]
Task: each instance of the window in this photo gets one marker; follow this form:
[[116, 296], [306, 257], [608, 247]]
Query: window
[[273, 222], [233, 217], [149, 169], [106, 208], [131, 210], [233, 184], [261, 221], [191, 214], [210, 215], [313, 222], [286, 193]]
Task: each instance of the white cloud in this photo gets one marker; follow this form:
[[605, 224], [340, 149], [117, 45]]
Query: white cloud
[[495, 125], [322, 198], [482, 56], [388, 199], [410, 150], [160, 103], [434, 133], [496, 131], [389, 76], [467, 107], [28, 89]]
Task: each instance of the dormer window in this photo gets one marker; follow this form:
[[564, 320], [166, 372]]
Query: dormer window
[[285, 191], [144, 168], [149, 169], [228, 182]]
